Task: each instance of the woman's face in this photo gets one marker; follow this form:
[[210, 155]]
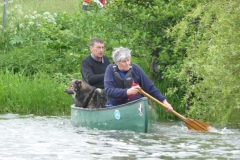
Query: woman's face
[[124, 65]]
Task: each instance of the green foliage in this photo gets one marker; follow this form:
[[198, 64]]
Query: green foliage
[[41, 42], [194, 63], [210, 71], [139, 26], [39, 95], [143, 27], [39, 59]]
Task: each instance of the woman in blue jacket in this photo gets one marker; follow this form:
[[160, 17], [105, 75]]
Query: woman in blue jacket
[[123, 80]]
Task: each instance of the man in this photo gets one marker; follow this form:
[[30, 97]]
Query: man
[[94, 66]]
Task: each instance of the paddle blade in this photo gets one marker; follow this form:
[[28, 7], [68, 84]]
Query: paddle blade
[[197, 125]]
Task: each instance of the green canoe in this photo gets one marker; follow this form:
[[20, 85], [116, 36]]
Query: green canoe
[[131, 116]]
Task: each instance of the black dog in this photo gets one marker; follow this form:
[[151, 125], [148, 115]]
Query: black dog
[[85, 95]]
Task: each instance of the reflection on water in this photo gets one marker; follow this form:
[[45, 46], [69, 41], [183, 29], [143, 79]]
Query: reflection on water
[[34, 137]]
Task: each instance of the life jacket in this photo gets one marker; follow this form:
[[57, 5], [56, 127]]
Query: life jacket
[[126, 82], [87, 1]]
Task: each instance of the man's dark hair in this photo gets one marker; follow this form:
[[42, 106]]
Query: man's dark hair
[[96, 40]]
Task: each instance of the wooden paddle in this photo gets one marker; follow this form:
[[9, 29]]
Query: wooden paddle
[[191, 123]]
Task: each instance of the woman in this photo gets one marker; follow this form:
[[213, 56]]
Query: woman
[[123, 79]]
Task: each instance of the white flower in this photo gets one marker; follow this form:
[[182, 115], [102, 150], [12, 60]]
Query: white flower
[[20, 12], [37, 15], [21, 25], [32, 17], [46, 13], [39, 25], [31, 23], [18, 6]]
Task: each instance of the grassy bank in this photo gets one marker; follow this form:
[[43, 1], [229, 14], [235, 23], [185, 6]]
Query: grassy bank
[[52, 6], [39, 95]]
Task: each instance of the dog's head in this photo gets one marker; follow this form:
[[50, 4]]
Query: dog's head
[[72, 88], [80, 91], [77, 86]]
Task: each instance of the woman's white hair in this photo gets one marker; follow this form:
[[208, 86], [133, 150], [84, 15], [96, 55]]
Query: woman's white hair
[[120, 53]]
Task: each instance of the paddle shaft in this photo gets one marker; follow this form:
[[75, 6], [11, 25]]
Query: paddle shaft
[[191, 123], [166, 107]]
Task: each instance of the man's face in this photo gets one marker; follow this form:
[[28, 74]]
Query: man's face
[[97, 50]]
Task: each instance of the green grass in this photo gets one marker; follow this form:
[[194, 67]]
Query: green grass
[[52, 6], [39, 95], [20, 8]]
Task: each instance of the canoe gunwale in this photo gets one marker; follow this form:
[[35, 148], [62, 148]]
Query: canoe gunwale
[[109, 108]]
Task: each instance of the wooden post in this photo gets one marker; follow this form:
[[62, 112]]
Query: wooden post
[[5, 13]]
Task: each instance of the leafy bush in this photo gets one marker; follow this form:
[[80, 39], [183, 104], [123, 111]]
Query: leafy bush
[[210, 71]]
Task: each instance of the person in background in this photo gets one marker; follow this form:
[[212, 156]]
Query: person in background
[[123, 80], [86, 3], [93, 66], [103, 2]]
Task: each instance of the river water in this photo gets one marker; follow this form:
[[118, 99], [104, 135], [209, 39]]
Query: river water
[[54, 138]]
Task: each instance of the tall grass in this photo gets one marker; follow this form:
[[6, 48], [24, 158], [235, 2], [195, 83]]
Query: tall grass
[[52, 6], [39, 95]]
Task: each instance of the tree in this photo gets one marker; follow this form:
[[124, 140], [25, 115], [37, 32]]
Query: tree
[[210, 71]]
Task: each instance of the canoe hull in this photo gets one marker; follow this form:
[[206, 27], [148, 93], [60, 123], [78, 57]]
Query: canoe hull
[[132, 116]]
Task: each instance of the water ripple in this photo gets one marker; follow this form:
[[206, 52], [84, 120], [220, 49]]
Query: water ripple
[[35, 137]]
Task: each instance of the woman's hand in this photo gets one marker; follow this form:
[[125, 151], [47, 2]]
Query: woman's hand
[[133, 90], [170, 108]]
